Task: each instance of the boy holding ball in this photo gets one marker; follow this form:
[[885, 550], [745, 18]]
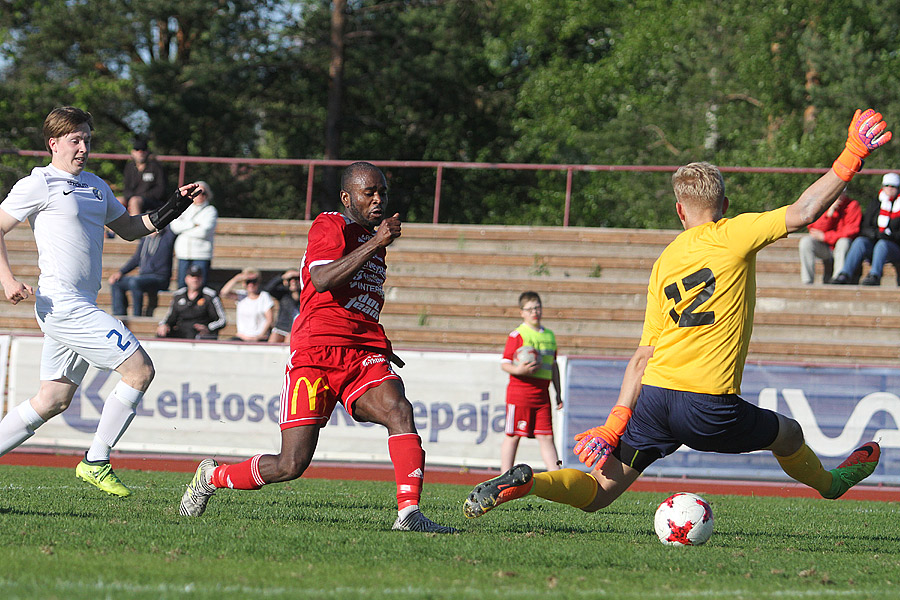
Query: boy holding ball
[[528, 393]]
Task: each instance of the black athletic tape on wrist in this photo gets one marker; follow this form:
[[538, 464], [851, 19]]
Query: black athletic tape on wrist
[[172, 209]]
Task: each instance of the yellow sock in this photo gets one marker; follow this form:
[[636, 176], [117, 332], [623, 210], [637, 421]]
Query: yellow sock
[[805, 467], [566, 486]]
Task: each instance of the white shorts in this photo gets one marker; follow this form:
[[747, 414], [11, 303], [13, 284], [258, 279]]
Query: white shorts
[[79, 335]]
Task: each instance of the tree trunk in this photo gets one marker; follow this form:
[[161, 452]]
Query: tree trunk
[[335, 94]]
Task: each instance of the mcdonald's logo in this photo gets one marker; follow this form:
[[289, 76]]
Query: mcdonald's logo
[[312, 389]]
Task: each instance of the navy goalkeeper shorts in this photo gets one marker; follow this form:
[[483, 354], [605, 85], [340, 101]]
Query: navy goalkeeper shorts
[[665, 419]]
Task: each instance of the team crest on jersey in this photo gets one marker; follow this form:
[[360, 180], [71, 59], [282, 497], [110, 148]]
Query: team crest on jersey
[[83, 186]]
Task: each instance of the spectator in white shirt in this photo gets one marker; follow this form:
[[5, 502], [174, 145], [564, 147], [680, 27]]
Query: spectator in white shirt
[[195, 230], [255, 308]]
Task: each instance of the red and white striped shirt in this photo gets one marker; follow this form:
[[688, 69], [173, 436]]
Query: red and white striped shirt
[[890, 209]]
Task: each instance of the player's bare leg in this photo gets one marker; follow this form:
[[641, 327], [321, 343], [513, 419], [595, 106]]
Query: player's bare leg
[[508, 449], [548, 452], [386, 404], [613, 478], [53, 397], [298, 444]]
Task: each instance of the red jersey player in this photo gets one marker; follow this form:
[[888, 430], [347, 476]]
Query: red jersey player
[[339, 353]]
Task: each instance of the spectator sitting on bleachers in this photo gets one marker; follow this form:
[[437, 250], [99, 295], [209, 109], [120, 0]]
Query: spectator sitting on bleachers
[[255, 308], [879, 236], [195, 312], [153, 258], [829, 239], [286, 290]]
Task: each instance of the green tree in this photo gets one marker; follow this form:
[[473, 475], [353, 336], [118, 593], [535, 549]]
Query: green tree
[[736, 83], [417, 86], [184, 73], [642, 82]]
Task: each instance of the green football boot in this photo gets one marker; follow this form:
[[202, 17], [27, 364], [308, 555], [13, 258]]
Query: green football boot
[[859, 465], [101, 475]]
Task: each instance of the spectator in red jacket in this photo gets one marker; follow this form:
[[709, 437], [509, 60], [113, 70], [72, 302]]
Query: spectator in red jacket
[[829, 239]]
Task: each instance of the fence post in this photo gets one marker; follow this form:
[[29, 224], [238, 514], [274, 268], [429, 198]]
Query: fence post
[[437, 194], [568, 196], [309, 188]]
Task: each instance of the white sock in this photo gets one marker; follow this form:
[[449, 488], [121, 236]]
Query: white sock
[[17, 426], [406, 511], [118, 411]]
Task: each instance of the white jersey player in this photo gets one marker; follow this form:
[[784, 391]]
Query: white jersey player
[[68, 209]]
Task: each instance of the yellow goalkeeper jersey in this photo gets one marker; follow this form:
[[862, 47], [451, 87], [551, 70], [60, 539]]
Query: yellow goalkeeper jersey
[[700, 303]]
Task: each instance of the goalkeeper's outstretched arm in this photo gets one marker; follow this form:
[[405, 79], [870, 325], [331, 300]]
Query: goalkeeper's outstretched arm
[[866, 133]]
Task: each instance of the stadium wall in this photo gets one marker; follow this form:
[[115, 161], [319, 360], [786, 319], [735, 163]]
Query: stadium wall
[[223, 399]]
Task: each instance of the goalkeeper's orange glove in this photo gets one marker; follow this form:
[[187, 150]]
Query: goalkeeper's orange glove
[[866, 133], [595, 445]]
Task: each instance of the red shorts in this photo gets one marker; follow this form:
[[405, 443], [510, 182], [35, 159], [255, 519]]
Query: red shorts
[[315, 379], [529, 421]]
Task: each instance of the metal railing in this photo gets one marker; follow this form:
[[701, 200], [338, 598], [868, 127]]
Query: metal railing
[[439, 166]]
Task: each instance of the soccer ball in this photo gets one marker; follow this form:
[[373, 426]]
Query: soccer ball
[[683, 519], [525, 354]]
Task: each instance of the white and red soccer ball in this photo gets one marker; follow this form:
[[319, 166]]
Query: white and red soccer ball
[[526, 354], [683, 519]]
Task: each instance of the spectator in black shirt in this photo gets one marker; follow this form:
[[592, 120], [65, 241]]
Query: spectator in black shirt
[[145, 186], [286, 290], [196, 311]]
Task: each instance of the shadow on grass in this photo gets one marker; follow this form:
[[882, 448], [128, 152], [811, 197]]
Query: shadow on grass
[[34, 512]]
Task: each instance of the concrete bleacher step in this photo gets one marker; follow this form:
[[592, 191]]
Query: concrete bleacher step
[[614, 346], [459, 250], [427, 338], [629, 322], [143, 327], [595, 292]]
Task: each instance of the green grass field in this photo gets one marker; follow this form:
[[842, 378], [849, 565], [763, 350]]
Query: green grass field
[[332, 539]]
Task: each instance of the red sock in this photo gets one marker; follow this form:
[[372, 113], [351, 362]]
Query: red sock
[[242, 476], [409, 467]]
